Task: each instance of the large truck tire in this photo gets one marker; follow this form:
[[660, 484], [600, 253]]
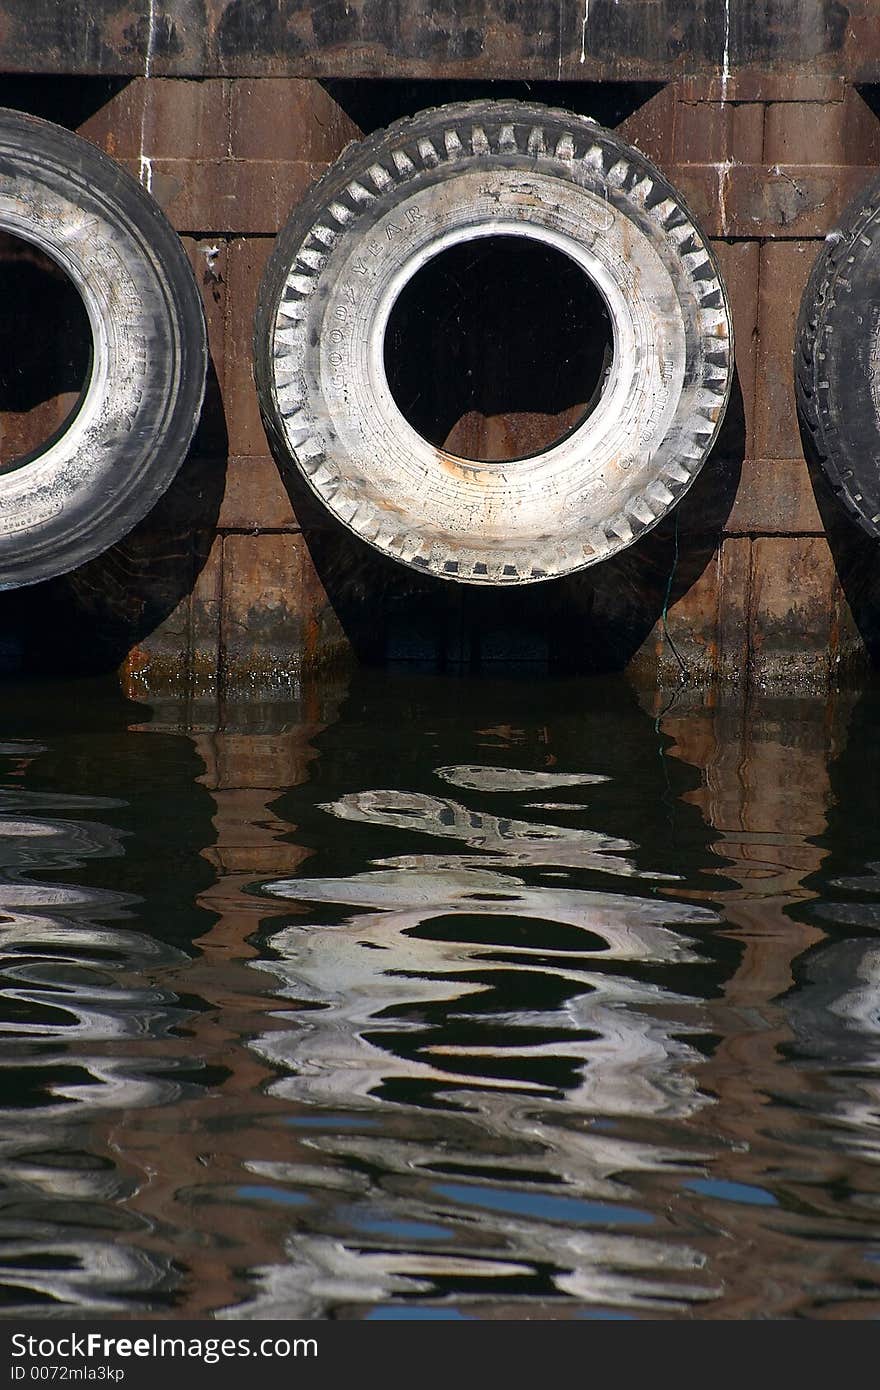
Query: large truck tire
[[837, 360], [88, 485], [432, 182]]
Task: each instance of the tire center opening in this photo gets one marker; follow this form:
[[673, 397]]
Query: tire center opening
[[46, 352], [498, 348]]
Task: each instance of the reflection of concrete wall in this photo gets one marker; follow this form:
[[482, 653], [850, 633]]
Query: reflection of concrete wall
[[780, 1117], [184, 1181]]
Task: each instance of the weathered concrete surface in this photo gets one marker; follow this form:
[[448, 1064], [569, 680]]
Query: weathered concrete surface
[[595, 40]]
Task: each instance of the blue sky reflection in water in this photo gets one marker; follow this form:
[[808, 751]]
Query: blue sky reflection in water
[[417, 996]]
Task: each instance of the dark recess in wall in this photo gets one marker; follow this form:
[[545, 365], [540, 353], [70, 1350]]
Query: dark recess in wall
[[374, 104], [68, 101]]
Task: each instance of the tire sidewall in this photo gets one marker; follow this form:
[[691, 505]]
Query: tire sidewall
[[357, 217], [123, 446], [838, 378]]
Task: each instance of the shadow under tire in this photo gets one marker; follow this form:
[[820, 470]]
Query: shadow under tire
[[117, 454], [389, 206], [837, 360]]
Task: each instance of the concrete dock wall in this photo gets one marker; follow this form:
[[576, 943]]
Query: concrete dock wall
[[768, 126]]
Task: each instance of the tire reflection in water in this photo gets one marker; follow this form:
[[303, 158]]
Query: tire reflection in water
[[449, 998], [513, 1041], [560, 1085]]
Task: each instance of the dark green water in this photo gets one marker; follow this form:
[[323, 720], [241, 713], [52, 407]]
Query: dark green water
[[440, 998]]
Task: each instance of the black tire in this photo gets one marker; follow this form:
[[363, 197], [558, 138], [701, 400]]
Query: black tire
[[88, 486], [389, 205], [837, 360]]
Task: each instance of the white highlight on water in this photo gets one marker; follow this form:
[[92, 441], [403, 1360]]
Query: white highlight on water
[[725, 60]]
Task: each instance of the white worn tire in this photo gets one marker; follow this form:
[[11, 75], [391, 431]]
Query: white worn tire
[[121, 449], [396, 200]]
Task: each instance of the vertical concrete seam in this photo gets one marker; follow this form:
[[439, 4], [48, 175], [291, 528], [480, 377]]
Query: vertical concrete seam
[[221, 621], [765, 107], [719, 627], [749, 663]]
